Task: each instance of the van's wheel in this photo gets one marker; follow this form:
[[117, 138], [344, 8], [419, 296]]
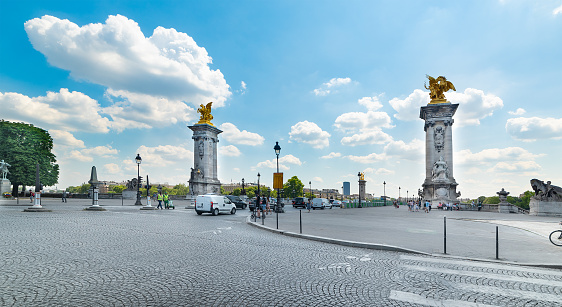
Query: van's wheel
[[243, 207], [233, 211], [199, 212], [216, 211]]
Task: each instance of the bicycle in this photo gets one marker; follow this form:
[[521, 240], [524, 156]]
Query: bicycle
[[556, 237]]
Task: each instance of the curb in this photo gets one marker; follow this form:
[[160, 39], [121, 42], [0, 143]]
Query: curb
[[385, 247]]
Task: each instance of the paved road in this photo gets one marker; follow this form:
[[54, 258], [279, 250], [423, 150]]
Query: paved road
[[128, 257]]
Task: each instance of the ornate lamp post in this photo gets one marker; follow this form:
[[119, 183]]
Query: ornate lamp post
[[258, 186], [278, 207], [398, 194], [243, 191], [406, 195], [359, 175], [384, 187], [310, 190], [342, 194], [138, 160]]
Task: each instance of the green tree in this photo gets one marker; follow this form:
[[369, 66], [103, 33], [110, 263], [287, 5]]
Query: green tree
[[23, 146], [310, 195], [525, 199], [181, 189], [237, 192], [492, 200], [82, 189], [118, 188], [293, 187]]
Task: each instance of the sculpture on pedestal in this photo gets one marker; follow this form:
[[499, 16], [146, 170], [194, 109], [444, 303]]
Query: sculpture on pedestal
[[4, 169], [204, 174], [547, 200], [439, 184]]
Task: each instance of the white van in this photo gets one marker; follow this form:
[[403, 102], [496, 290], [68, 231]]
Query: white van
[[321, 203], [214, 204]]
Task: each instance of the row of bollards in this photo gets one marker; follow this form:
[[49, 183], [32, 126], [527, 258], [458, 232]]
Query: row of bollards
[[445, 238]]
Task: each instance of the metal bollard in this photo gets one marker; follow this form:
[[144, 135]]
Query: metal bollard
[[497, 244], [300, 217], [444, 235]]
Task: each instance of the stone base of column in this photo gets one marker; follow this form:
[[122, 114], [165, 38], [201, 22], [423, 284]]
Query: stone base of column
[[95, 208], [37, 209]]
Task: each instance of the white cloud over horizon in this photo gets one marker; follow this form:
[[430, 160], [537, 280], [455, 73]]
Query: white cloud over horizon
[[229, 151], [329, 86], [530, 129], [169, 64], [232, 134], [283, 163], [309, 133]]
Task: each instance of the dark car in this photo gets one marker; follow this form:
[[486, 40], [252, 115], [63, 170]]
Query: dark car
[[240, 204], [299, 202]]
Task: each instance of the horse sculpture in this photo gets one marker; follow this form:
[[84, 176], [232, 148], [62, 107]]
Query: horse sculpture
[[546, 190]]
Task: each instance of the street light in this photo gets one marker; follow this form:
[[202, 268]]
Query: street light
[[399, 194], [278, 207], [406, 195], [384, 187], [138, 159], [258, 185], [342, 194], [243, 191], [310, 189], [359, 175]]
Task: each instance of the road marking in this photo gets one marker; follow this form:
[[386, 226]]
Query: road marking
[[553, 283], [510, 292], [420, 300], [483, 265]]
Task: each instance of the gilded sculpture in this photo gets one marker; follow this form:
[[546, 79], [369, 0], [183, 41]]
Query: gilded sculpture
[[205, 112], [437, 88], [362, 177]]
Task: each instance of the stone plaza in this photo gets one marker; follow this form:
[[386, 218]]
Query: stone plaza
[[128, 257]]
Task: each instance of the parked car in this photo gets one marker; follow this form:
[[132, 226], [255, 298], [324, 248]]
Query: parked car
[[300, 202], [336, 203], [321, 203], [240, 204], [214, 204]]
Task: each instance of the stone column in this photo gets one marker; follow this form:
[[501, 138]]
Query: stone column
[[204, 174], [439, 184], [362, 184]]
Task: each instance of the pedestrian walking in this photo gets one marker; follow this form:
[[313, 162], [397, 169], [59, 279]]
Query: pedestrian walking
[[308, 205], [64, 196], [160, 197], [166, 200], [31, 195], [258, 205], [426, 206], [267, 206]]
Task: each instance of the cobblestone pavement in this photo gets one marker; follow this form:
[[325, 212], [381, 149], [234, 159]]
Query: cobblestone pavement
[[128, 257]]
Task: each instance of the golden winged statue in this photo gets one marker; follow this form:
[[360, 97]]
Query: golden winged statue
[[205, 112], [437, 88], [362, 177]]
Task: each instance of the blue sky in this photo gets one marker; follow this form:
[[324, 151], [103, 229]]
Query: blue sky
[[338, 84]]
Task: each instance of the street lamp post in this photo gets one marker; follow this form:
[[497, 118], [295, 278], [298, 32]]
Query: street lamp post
[[278, 207], [243, 191], [359, 175], [310, 189], [258, 188], [138, 160], [399, 194], [406, 195], [384, 187], [342, 194]]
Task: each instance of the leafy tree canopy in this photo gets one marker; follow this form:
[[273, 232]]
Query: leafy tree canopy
[[293, 187], [23, 146]]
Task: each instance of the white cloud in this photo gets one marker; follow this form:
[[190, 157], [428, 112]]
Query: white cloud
[[309, 133], [331, 155], [474, 105], [164, 155], [65, 110], [243, 87], [409, 109], [371, 158], [493, 155], [134, 110], [415, 150], [363, 121], [318, 179], [371, 103], [229, 151], [557, 10], [516, 167], [77, 155], [65, 138], [367, 138], [378, 171], [116, 54], [519, 111], [283, 161], [329, 86], [112, 168], [534, 128], [100, 151], [232, 134]]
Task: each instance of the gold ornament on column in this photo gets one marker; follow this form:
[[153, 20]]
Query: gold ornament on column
[[437, 88], [206, 116]]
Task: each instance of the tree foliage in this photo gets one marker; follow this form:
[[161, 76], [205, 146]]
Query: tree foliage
[[82, 189], [23, 146], [293, 187]]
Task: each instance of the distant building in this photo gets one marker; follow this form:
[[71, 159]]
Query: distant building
[[346, 188]]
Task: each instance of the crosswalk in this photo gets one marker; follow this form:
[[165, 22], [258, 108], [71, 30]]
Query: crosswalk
[[549, 280]]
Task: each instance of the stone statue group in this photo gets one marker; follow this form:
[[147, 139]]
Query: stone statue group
[[4, 169]]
